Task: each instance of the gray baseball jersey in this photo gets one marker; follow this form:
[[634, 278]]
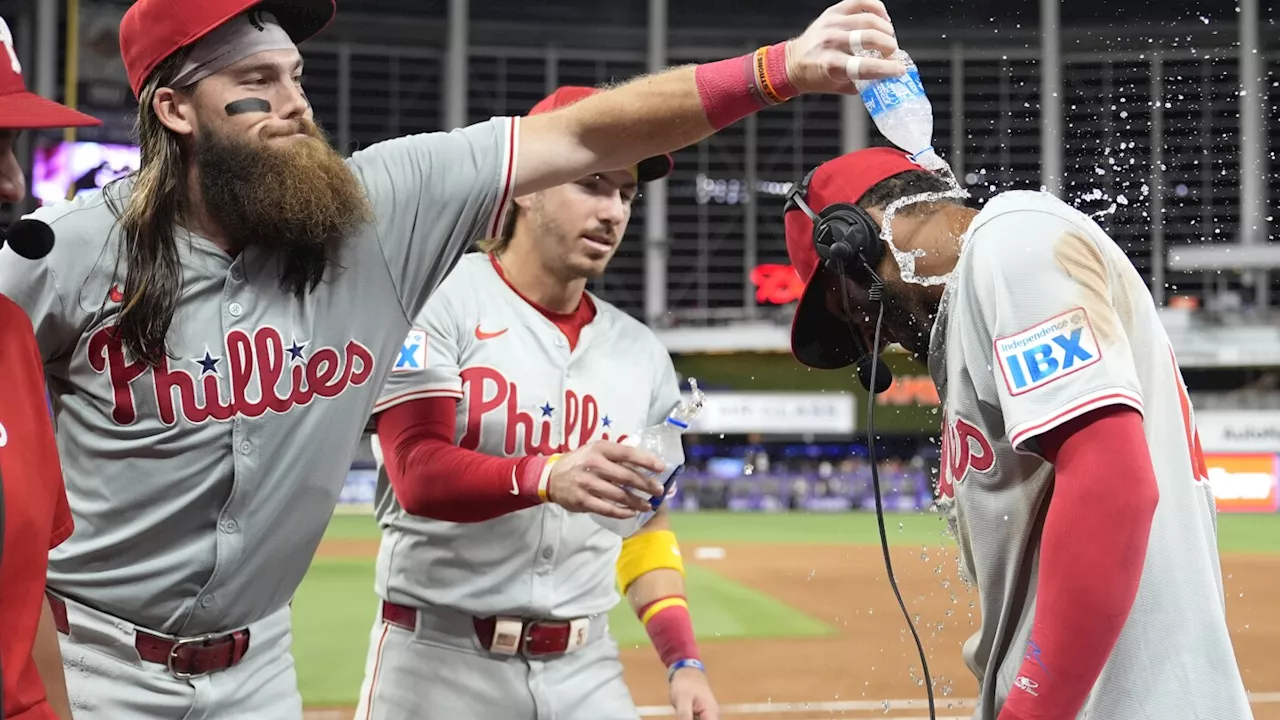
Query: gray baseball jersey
[[1045, 319], [201, 488], [520, 391]]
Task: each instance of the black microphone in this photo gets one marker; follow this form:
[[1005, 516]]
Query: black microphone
[[29, 238], [882, 379]]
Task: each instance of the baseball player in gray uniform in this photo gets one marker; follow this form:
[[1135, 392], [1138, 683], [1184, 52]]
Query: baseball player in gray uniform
[[1071, 469], [496, 432], [217, 326]]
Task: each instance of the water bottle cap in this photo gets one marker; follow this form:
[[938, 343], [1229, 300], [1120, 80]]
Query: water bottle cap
[[680, 424]]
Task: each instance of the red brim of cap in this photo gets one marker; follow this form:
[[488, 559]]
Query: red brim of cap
[[28, 111], [819, 338]]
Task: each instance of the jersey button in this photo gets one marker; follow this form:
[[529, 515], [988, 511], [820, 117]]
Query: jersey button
[[245, 447], [235, 309], [206, 601], [230, 525], [236, 275], [547, 552]]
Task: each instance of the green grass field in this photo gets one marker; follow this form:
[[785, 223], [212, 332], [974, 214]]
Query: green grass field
[[334, 609]]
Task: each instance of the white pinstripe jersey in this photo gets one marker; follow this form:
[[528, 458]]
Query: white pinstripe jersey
[[1044, 320], [520, 391]]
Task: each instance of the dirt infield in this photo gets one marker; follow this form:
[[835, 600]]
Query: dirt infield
[[872, 660]]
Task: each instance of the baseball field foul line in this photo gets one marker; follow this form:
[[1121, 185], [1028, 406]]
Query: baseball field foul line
[[808, 708], [866, 705], [812, 707]]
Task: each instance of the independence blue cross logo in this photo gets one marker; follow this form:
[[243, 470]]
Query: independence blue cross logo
[[413, 353], [1048, 351], [1044, 360]]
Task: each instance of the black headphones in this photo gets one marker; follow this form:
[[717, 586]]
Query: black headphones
[[843, 233]]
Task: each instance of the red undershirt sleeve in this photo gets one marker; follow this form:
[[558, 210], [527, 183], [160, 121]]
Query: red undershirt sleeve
[[432, 477], [1091, 559]]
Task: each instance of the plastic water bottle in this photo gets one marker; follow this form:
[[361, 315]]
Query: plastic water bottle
[[901, 110], [665, 440]]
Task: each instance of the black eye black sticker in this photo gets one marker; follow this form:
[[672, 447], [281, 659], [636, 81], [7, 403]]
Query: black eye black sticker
[[247, 105]]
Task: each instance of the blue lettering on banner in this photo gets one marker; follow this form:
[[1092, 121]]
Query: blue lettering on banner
[[413, 354], [1049, 351]]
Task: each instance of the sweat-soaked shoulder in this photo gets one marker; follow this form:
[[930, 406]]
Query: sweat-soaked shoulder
[[1036, 302], [66, 289]]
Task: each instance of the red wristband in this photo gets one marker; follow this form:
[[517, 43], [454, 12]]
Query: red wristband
[[776, 67], [670, 627], [735, 88]]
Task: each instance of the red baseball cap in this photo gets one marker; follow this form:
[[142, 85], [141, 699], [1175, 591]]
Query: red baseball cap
[[648, 169], [820, 339], [152, 30], [22, 110]]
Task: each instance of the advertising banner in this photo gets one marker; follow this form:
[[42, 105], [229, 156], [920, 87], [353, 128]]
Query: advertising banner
[[780, 413], [1239, 430], [1245, 482]]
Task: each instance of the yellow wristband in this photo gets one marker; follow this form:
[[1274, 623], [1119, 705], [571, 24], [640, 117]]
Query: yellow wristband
[[661, 605], [545, 478]]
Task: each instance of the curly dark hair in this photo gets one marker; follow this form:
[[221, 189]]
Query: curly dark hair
[[911, 182]]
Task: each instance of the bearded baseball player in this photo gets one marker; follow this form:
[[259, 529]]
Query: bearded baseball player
[[497, 433], [1071, 471], [217, 326], [34, 516]]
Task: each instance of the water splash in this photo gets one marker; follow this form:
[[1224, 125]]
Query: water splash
[[907, 260]]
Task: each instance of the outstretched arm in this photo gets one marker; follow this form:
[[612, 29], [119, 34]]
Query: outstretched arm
[[681, 106], [432, 477], [651, 573]]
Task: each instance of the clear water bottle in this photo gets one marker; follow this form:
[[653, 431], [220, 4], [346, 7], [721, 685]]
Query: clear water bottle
[[666, 441], [901, 110]]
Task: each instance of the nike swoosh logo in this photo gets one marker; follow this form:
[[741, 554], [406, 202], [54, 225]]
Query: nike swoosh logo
[[515, 486], [482, 335]]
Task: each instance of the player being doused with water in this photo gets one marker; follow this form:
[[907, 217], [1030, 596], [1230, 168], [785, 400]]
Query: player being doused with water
[[1071, 470]]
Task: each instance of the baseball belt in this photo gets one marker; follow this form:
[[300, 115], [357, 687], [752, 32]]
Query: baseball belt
[[184, 657], [502, 635]]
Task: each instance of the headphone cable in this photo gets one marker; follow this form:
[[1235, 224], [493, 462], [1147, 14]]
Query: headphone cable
[[877, 289]]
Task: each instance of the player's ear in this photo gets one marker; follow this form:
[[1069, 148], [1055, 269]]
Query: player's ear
[[525, 202], [175, 110]]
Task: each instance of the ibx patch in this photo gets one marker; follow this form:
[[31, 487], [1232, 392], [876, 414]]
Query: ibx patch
[[1049, 351], [413, 354]]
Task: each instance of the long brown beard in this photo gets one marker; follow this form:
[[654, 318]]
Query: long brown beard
[[300, 199]]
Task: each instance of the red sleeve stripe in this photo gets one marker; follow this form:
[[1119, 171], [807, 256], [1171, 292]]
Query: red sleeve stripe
[[417, 394], [1026, 431], [508, 176]]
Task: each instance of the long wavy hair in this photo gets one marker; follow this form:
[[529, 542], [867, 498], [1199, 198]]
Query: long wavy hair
[[153, 276]]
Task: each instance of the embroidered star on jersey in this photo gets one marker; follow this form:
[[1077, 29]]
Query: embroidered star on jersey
[[295, 350], [208, 364], [546, 409]]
